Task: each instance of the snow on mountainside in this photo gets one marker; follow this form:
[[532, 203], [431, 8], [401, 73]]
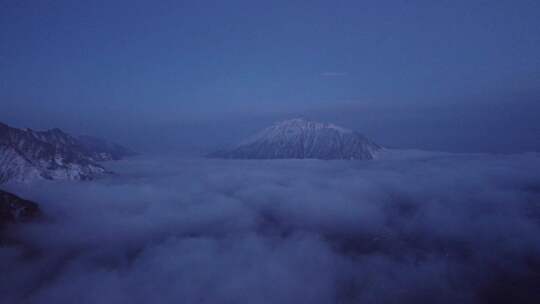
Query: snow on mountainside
[[26, 154], [302, 138]]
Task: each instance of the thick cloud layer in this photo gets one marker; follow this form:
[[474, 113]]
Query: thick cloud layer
[[429, 228]]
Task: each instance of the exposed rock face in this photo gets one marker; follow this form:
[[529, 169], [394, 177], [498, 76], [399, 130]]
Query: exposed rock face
[[53, 154], [302, 138], [16, 209]]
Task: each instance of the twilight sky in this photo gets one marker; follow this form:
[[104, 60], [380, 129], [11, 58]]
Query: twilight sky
[[443, 75]]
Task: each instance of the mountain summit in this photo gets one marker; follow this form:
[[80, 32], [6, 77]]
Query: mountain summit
[[303, 138]]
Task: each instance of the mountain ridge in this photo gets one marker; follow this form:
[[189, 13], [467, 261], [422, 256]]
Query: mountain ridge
[[26, 154]]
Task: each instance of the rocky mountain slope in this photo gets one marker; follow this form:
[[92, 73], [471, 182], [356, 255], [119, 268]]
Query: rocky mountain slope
[[301, 138], [26, 154], [16, 209]]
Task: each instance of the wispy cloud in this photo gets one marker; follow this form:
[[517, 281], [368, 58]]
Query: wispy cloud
[[334, 74]]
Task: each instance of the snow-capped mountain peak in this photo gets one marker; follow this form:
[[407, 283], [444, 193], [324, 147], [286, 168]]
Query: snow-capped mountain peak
[[303, 138]]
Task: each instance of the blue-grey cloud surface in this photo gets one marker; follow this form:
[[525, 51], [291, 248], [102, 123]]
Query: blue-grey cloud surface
[[437, 228]]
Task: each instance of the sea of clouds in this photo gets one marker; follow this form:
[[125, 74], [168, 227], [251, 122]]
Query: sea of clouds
[[411, 227]]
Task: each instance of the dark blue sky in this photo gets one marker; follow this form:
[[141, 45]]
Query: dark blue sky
[[427, 74]]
